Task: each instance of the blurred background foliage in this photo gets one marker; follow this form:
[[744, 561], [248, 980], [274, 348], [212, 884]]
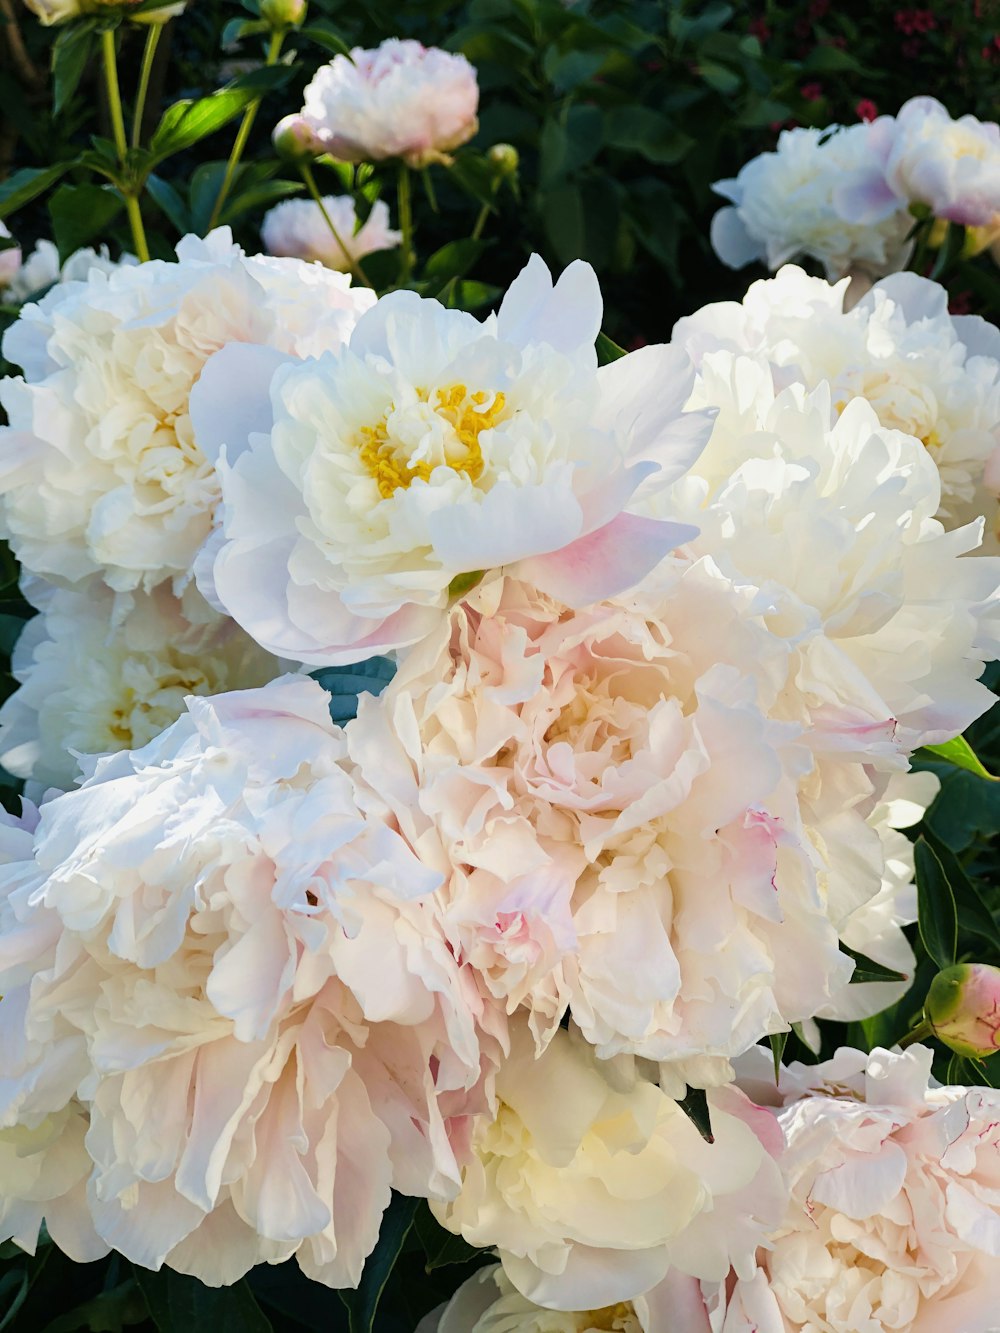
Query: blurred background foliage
[[623, 112]]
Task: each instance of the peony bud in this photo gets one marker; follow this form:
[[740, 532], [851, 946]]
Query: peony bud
[[10, 260], [503, 158], [295, 140], [283, 13], [963, 1009]]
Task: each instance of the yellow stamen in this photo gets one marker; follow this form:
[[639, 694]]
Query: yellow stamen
[[467, 414]]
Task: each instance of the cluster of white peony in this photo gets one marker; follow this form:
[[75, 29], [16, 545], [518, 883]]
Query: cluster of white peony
[[845, 195], [666, 634], [925, 372]]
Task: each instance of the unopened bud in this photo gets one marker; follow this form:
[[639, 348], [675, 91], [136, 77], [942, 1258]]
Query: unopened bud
[[295, 140], [283, 13], [963, 1009], [503, 158]]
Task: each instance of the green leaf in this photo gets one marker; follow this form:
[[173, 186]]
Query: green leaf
[[778, 1040], [608, 351], [867, 969], [568, 70], [80, 213], [70, 52], [974, 916], [345, 683], [463, 583], [26, 184], [937, 918], [121, 1307], [695, 1107], [452, 261], [181, 1304], [188, 122], [10, 632], [327, 38], [441, 1247], [362, 1304], [14, 1287], [169, 202], [471, 295], [260, 196], [643, 131], [960, 753], [719, 77], [829, 59]]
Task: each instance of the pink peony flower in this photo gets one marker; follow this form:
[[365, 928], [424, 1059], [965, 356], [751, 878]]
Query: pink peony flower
[[894, 1222], [623, 826], [401, 99], [251, 995], [297, 229]]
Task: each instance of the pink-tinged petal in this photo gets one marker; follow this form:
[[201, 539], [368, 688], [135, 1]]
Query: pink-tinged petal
[[232, 398], [918, 298], [566, 316], [606, 562], [676, 1304], [866, 199]]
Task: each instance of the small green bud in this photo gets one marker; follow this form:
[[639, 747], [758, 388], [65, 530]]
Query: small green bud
[[283, 13], [503, 158]]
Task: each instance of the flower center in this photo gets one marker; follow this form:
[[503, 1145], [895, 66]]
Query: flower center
[[443, 431]]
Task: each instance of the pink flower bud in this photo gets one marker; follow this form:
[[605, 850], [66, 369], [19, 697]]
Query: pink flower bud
[[295, 140], [963, 1009]]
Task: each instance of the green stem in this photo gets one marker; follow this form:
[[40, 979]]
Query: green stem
[[353, 265], [243, 134], [919, 1033], [114, 94], [148, 56], [118, 130], [484, 214], [405, 224]]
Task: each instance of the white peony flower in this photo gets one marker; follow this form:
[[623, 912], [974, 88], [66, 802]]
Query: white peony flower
[[401, 99], [43, 1162], [92, 682], [592, 1185], [626, 835], [99, 468], [925, 372], [952, 166], [894, 1222], [296, 228], [249, 992], [42, 269], [488, 1302], [820, 193], [835, 526], [364, 489]]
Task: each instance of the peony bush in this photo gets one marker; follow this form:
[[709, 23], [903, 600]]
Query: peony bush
[[499, 767]]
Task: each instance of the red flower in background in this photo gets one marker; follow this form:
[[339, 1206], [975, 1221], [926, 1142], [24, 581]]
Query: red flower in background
[[812, 92], [866, 109]]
